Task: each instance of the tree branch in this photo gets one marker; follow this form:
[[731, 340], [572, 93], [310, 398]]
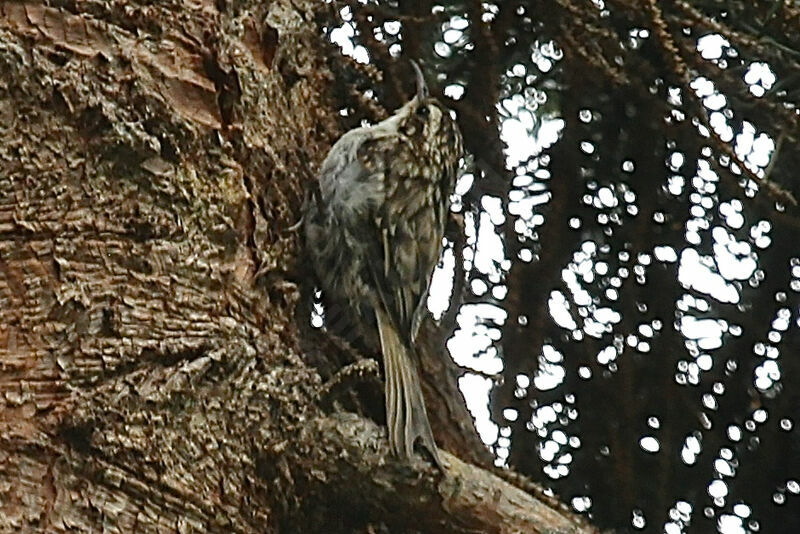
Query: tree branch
[[350, 463]]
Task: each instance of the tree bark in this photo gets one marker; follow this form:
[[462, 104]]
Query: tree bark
[[153, 159]]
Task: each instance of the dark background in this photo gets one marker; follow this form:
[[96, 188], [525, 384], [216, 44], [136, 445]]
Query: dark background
[[669, 398]]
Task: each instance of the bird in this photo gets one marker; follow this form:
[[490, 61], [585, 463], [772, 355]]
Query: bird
[[374, 232]]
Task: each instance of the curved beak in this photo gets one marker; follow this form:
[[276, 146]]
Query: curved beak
[[422, 87]]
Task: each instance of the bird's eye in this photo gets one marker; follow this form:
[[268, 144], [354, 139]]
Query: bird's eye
[[423, 111]]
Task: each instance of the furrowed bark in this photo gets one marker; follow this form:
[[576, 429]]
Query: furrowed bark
[[153, 159]]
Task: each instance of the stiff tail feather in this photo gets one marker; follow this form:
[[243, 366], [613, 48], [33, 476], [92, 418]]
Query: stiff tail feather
[[406, 416]]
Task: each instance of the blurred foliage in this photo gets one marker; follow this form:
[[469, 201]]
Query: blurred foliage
[[629, 253]]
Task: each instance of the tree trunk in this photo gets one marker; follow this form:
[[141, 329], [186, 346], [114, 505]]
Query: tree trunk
[[154, 160]]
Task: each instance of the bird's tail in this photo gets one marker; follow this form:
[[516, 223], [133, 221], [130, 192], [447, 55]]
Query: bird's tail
[[406, 416]]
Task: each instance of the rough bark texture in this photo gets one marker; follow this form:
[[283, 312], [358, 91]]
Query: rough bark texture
[[152, 161]]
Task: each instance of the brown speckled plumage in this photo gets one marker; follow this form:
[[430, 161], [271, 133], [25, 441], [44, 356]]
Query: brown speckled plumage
[[375, 234]]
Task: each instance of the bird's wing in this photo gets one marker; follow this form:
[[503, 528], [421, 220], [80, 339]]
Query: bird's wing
[[410, 238]]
